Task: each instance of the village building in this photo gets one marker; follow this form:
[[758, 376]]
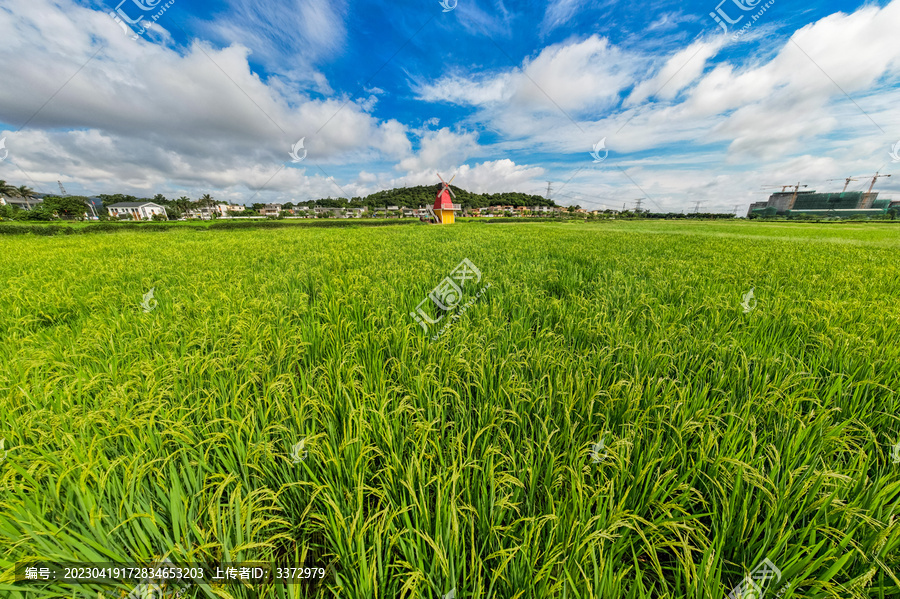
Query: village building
[[136, 210]]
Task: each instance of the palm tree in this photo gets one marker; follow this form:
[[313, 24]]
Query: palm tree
[[25, 191], [182, 204], [8, 190], [206, 201]]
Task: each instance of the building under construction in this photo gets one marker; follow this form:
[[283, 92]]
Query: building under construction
[[843, 204]]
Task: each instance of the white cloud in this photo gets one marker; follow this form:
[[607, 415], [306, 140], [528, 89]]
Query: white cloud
[[439, 149], [298, 33], [138, 114], [560, 12], [575, 76], [680, 70]]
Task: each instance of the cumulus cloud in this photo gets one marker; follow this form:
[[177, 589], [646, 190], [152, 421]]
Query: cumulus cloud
[[574, 76], [141, 113], [440, 149], [679, 71]]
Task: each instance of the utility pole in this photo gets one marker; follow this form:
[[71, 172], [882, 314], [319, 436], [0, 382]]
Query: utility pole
[[735, 209], [697, 207], [548, 190], [639, 202]]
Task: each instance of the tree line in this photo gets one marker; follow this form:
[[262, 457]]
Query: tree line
[[424, 195]]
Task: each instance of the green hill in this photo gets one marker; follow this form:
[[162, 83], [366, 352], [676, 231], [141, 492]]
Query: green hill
[[424, 195]]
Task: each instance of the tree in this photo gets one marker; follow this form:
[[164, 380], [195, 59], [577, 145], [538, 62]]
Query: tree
[[67, 207], [160, 199], [8, 190], [39, 212], [182, 204]]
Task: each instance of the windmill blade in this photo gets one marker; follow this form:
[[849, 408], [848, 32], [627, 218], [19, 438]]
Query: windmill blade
[[440, 177], [451, 179], [452, 195]]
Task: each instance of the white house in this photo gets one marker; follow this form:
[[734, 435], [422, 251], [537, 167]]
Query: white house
[[224, 209], [419, 212], [24, 203], [136, 210], [335, 212]]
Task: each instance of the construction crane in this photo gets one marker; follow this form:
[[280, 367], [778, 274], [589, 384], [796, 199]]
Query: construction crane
[[784, 187], [63, 191], [874, 178], [846, 182]]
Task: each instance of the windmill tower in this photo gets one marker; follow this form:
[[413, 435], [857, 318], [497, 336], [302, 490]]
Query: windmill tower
[[444, 209]]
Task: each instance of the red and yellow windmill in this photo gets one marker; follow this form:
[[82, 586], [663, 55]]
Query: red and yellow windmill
[[444, 209]]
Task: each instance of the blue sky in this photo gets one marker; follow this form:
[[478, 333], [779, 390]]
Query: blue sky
[[212, 97]]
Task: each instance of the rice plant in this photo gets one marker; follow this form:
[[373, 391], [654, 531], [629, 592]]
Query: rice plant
[[606, 420]]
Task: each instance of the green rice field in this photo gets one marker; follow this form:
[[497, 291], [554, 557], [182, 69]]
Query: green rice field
[[611, 417]]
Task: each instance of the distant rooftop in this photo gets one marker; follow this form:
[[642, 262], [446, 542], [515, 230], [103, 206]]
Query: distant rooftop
[[131, 204]]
